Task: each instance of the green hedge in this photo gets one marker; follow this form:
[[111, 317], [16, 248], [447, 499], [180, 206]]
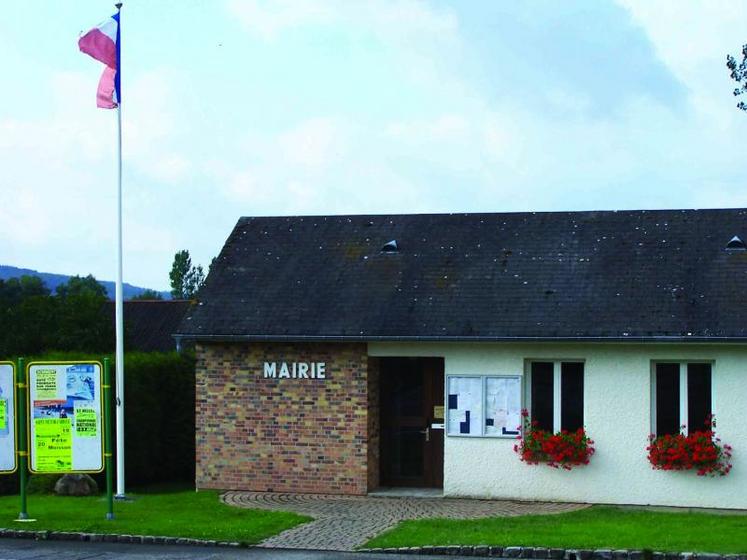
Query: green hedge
[[159, 417]]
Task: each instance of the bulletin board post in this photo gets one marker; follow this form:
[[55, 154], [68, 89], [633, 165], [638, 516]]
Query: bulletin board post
[[108, 440], [22, 442]]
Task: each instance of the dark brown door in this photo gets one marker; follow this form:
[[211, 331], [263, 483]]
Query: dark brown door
[[412, 398]]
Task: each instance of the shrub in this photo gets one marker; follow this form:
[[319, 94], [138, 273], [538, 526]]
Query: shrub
[[561, 450], [701, 451], [159, 417], [41, 483]]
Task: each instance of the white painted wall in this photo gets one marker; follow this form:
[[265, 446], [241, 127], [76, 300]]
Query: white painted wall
[[617, 415]]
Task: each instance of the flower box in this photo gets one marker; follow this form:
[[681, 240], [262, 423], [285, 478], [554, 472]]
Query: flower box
[[563, 449], [700, 451]]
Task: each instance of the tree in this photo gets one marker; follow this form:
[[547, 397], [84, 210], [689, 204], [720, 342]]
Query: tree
[[739, 75], [186, 279], [13, 290], [34, 321], [147, 294], [27, 319], [79, 286], [83, 325]]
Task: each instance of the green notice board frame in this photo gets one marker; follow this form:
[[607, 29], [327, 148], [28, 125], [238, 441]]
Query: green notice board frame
[[12, 416], [101, 425]]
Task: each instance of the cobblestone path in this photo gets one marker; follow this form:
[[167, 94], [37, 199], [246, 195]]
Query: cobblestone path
[[346, 522]]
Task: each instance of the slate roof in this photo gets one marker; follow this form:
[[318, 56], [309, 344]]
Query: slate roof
[[150, 324], [627, 275]]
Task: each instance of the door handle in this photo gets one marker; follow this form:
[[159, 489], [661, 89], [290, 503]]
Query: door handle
[[427, 433]]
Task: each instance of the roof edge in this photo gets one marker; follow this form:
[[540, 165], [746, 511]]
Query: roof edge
[[494, 213], [365, 338]]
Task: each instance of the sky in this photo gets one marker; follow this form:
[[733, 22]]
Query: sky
[[281, 107]]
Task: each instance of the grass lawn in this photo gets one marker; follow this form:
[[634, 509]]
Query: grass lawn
[[595, 527], [157, 511]]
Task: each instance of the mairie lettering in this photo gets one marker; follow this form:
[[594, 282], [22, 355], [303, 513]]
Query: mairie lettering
[[295, 370]]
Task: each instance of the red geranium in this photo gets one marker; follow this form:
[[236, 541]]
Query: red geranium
[[701, 451], [561, 450]]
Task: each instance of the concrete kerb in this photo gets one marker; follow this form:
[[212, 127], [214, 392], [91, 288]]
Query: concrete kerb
[[552, 553]]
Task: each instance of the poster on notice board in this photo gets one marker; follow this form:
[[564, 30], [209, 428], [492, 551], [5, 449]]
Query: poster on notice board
[[65, 421]]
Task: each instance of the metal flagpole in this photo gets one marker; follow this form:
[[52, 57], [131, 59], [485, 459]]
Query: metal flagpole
[[108, 440], [119, 306]]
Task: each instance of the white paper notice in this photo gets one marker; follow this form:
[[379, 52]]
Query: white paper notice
[[464, 401], [502, 406]]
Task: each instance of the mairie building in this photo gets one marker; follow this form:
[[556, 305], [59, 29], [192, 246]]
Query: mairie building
[[345, 354]]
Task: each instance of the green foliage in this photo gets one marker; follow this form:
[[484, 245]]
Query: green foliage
[[42, 483], [14, 290], [147, 294], [33, 321], [186, 279], [160, 422], [82, 324], [739, 75], [25, 304], [593, 528], [78, 286]]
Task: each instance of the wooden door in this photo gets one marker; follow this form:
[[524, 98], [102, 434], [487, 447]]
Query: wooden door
[[412, 393], [434, 448]]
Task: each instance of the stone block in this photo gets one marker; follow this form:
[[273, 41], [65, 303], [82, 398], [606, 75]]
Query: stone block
[[76, 485]]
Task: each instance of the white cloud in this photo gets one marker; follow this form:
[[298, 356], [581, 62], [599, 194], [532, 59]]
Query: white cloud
[[314, 143], [393, 20], [168, 167], [692, 39], [688, 36], [268, 18], [443, 128]]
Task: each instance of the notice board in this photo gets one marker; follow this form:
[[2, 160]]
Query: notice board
[[8, 462], [65, 421]]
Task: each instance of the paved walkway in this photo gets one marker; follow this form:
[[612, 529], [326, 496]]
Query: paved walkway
[[346, 522]]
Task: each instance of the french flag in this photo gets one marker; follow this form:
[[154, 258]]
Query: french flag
[[102, 43]]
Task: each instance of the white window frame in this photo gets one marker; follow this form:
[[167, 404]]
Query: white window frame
[[684, 408], [483, 396], [557, 387]]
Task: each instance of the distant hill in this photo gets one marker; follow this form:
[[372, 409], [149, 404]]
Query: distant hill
[[54, 280]]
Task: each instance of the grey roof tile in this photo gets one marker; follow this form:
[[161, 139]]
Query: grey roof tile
[[622, 275]]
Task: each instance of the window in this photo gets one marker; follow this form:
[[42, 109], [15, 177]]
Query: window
[[483, 405], [556, 395], [681, 396]]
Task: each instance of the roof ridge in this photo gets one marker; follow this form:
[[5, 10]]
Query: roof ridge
[[507, 213]]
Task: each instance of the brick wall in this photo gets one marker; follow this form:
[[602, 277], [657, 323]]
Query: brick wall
[[282, 435], [374, 424]]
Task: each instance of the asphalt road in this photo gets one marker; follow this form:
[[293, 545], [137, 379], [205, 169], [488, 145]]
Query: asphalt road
[[21, 549]]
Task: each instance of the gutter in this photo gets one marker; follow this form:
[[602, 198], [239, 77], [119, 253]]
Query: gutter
[[376, 338]]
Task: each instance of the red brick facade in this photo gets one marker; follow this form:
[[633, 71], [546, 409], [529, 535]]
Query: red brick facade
[[374, 424], [284, 435]]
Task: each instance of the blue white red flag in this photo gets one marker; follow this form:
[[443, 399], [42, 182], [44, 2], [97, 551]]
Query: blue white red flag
[[102, 43]]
